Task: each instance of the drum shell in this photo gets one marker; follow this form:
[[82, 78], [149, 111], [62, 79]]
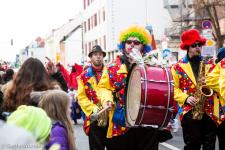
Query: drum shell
[[157, 95]]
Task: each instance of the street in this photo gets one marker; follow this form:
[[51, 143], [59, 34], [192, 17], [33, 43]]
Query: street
[[82, 140], [176, 143]]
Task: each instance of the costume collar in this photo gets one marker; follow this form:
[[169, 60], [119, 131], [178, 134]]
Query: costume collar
[[186, 59], [90, 71]]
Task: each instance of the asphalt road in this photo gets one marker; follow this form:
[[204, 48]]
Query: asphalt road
[[176, 143]]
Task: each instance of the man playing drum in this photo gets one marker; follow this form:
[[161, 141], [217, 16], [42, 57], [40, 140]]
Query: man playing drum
[[135, 40], [188, 82]]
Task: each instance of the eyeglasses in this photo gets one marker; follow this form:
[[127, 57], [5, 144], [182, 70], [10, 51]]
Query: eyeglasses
[[196, 44], [136, 42]]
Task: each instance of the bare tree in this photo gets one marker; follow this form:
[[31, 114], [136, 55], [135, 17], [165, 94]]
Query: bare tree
[[214, 10]]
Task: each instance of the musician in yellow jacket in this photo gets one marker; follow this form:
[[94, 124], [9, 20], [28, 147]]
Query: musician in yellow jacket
[[93, 96], [134, 42], [196, 133], [216, 80]]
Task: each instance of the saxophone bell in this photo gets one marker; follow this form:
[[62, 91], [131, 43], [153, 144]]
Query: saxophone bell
[[206, 91]]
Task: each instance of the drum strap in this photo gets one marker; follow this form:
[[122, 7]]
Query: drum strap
[[124, 60], [116, 91]]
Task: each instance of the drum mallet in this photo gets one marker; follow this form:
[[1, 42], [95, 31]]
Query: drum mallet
[[95, 116]]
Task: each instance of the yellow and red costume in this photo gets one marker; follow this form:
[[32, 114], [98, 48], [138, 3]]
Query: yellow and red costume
[[185, 86], [91, 93], [117, 72], [215, 80]]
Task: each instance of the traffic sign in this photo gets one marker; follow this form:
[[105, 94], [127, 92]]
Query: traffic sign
[[207, 33], [210, 42], [166, 53], [208, 51], [207, 24]]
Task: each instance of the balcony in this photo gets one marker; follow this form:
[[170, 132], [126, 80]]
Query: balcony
[[168, 3], [173, 32]]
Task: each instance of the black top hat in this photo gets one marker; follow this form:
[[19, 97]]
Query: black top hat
[[96, 48]]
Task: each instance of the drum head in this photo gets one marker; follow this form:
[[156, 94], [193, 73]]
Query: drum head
[[133, 96]]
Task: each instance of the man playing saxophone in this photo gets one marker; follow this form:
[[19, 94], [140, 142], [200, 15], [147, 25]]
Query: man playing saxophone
[[187, 75]]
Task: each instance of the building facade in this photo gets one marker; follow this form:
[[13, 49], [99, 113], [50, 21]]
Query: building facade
[[104, 19], [183, 17], [185, 14], [64, 44]]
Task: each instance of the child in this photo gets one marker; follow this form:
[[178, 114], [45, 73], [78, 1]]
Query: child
[[32, 119], [75, 107], [57, 105]]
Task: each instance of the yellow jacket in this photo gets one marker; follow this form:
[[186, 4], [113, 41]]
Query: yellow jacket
[[185, 86], [216, 81], [184, 81], [90, 92]]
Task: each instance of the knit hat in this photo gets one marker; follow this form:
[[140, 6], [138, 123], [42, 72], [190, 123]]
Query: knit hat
[[136, 31], [189, 37], [221, 53], [33, 119]]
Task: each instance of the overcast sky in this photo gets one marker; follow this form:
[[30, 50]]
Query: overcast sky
[[24, 20]]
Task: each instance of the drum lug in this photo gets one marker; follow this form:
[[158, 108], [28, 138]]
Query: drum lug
[[172, 82]]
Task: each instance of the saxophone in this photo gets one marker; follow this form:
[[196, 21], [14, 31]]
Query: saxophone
[[202, 92]]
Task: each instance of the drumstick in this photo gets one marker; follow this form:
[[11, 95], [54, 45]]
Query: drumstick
[[95, 116]]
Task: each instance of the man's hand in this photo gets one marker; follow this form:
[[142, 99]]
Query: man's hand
[[50, 67], [202, 80], [192, 101], [108, 105], [96, 110], [134, 56]]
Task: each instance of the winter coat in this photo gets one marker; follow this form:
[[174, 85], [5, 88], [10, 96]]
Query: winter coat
[[58, 135]]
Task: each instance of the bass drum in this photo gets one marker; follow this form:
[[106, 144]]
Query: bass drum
[[149, 96]]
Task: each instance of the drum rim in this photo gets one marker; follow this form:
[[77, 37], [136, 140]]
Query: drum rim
[[125, 94]]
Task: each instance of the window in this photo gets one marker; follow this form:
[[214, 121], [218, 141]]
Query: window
[[190, 6], [113, 55], [95, 19], [88, 2], [104, 40], [88, 24], [85, 29], [85, 47], [100, 42], [89, 45], [84, 4], [99, 17], [91, 22], [103, 14], [96, 42], [109, 56], [173, 6]]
